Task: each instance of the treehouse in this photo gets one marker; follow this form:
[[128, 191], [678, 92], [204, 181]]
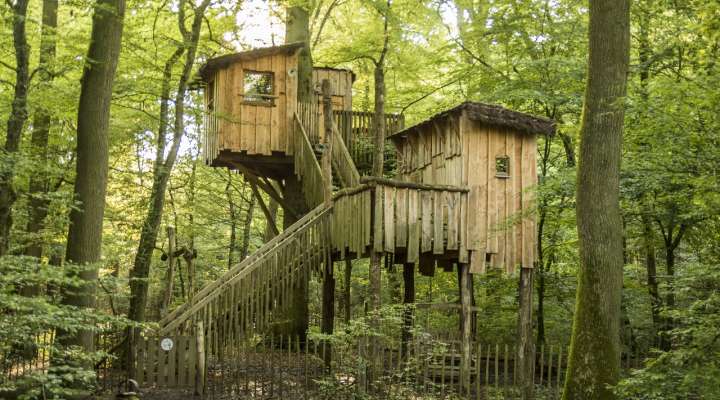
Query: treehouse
[[491, 151], [251, 98]]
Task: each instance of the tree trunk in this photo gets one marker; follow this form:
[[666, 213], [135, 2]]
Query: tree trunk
[[15, 123], [247, 224], [170, 277], [162, 169], [39, 182], [297, 29], [346, 290], [328, 309], [86, 221], [594, 359], [294, 320], [409, 302], [272, 208], [651, 267], [232, 245]]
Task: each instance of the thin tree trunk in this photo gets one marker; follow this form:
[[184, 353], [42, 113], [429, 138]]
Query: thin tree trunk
[[170, 276], [346, 290], [232, 245], [247, 224], [594, 359], [39, 182], [409, 303], [651, 267], [162, 169], [15, 123], [86, 221]]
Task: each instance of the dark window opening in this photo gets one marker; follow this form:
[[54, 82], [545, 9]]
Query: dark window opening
[[502, 167], [258, 88]]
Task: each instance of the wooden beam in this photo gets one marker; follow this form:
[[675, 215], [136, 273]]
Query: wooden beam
[[252, 177], [264, 208]]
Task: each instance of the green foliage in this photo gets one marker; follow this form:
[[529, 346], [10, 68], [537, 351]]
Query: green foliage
[[31, 324], [690, 369]]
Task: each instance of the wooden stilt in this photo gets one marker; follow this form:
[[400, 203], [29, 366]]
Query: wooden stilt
[[526, 347], [328, 309], [466, 331], [408, 300]]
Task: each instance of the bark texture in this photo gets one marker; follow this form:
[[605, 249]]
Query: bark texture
[[39, 182], [86, 220], [15, 123], [594, 360]]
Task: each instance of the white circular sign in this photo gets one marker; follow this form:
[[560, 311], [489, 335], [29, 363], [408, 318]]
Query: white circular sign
[[166, 344]]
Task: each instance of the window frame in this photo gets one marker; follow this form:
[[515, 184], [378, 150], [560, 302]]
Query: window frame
[[502, 174], [259, 99]]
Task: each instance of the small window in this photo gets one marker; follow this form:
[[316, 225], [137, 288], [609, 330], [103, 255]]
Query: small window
[[259, 88], [502, 167]]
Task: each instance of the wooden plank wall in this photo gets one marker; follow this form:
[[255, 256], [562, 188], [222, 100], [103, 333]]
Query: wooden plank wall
[[158, 368], [341, 82], [255, 129], [399, 219], [499, 219]]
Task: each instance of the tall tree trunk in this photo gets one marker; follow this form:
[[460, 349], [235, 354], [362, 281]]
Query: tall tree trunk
[[347, 299], [162, 169], [15, 123], [39, 181], [377, 170], [232, 245], [297, 29], [594, 360], [651, 267], [247, 224], [409, 303], [86, 221]]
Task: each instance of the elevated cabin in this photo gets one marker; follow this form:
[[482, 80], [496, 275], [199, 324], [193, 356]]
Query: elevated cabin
[[341, 81], [491, 151], [250, 100]]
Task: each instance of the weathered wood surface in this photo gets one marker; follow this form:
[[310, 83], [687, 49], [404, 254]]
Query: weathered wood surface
[[284, 257], [459, 151], [239, 126], [411, 220], [307, 167]]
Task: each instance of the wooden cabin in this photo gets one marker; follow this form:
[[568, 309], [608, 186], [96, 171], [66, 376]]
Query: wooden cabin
[[491, 151], [341, 81], [250, 101]]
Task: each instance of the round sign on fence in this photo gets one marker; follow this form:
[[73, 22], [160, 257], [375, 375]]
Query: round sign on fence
[[166, 344]]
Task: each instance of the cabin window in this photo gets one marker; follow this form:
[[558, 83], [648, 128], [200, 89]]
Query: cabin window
[[258, 88], [502, 167]]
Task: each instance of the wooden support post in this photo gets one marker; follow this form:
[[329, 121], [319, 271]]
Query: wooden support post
[[328, 309], [466, 331], [326, 161], [264, 208], [170, 276], [526, 347], [200, 346], [409, 302]]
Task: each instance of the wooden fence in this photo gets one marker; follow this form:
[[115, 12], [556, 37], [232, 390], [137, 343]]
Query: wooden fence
[[356, 129], [413, 221], [283, 367]]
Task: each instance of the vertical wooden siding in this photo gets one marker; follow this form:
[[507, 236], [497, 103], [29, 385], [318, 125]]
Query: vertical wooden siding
[[255, 129], [498, 219], [341, 82]]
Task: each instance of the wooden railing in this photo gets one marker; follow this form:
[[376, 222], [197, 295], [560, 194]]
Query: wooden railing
[[356, 129], [400, 217], [310, 116], [307, 168], [343, 164], [266, 274]]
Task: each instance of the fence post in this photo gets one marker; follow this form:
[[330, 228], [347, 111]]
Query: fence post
[[201, 367]]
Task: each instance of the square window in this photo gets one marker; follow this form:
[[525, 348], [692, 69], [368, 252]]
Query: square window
[[502, 167], [258, 88]]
